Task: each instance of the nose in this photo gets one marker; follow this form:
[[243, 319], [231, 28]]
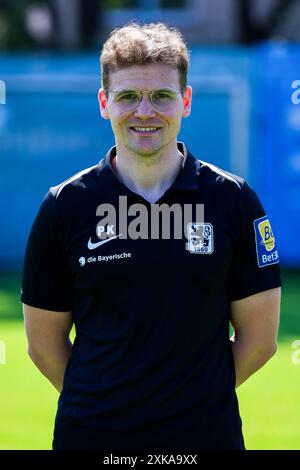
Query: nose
[[145, 108]]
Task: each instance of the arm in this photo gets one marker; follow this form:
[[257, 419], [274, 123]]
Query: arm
[[49, 346], [255, 321]]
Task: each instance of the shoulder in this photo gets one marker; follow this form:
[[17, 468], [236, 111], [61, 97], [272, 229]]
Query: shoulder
[[71, 195], [84, 181], [217, 176], [230, 190]]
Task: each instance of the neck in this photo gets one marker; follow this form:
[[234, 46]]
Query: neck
[[149, 176]]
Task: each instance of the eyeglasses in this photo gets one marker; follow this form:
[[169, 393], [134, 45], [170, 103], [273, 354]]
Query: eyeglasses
[[162, 99]]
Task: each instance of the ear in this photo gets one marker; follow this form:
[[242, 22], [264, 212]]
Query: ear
[[103, 103], [187, 101]]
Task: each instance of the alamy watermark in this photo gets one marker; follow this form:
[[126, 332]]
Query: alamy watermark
[[155, 222], [166, 221], [149, 221], [2, 353], [295, 97], [2, 92], [296, 354]]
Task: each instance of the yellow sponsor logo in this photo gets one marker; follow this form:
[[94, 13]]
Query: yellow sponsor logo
[[266, 233]]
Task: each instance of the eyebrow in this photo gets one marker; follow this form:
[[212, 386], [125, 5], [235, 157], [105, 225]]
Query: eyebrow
[[137, 89], [127, 89]]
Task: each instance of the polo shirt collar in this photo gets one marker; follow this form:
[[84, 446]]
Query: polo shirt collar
[[187, 178]]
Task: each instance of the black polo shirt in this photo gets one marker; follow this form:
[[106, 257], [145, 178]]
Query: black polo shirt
[[151, 365]]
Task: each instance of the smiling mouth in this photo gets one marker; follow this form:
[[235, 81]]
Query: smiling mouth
[[146, 130]]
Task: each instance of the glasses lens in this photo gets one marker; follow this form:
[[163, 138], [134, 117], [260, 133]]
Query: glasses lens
[[128, 99], [163, 99]]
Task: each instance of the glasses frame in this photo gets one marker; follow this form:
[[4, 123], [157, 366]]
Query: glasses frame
[[141, 93]]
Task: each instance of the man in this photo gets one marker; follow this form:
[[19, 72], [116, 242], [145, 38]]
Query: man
[[152, 366]]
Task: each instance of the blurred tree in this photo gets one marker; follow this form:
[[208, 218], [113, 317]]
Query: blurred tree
[[72, 24], [114, 4], [173, 3], [90, 14], [253, 30], [77, 22], [63, 24], [13, 32]]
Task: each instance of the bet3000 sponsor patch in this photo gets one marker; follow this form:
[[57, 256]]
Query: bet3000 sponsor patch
[[265, 242]]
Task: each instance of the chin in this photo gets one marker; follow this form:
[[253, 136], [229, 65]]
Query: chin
[[145, 152]]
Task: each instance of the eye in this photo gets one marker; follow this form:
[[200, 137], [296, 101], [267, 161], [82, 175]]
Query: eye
[[127, 97], [162, 95]]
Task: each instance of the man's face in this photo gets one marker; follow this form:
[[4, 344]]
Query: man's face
[[132, 128]]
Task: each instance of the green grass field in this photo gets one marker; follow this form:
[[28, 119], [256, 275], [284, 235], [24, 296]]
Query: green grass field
[[269, 400]]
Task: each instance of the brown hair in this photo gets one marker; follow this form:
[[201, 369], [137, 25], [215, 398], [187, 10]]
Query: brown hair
[[136, 44]]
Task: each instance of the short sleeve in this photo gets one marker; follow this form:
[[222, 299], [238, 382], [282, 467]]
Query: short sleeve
[[256, 260], [46, 281]]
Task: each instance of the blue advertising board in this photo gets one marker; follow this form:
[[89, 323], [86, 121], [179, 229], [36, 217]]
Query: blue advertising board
[[277, 144], [242, 120]]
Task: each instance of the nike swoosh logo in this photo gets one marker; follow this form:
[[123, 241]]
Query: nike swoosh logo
[[92, 246]]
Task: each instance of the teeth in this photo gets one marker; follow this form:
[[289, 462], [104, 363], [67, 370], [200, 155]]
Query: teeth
[[143, 129]]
